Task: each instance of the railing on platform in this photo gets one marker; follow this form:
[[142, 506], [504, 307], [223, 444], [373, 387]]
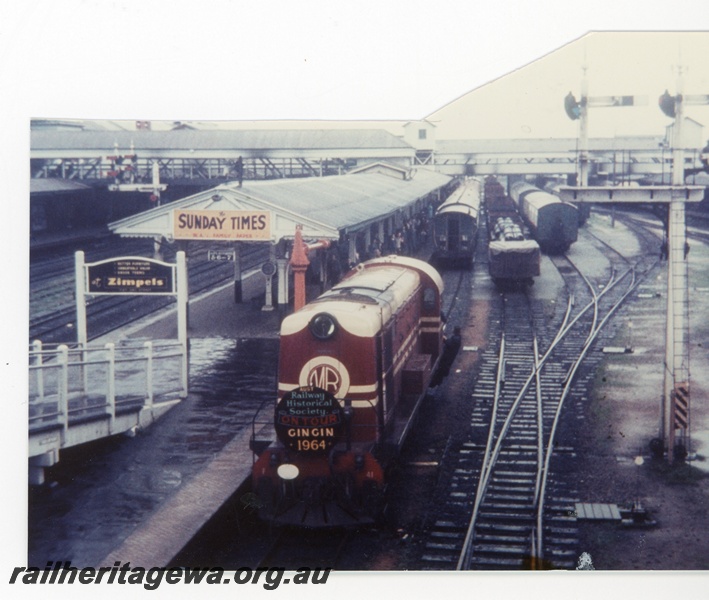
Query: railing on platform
[[70, 385]]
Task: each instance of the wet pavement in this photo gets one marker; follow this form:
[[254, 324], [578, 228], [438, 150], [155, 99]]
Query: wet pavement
[[99, 493]]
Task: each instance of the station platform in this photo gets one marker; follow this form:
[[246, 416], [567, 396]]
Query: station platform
[[141, 497]]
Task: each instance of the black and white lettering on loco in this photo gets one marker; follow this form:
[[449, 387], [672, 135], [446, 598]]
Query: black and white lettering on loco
[[309, 420]]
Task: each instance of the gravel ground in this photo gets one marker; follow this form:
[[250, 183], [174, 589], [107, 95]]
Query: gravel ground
[[623, 415]]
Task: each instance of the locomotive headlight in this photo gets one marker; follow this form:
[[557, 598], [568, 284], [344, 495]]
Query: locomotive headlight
[[323, 326], [288, 471]]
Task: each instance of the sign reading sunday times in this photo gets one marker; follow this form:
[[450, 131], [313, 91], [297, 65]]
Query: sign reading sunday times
[[252, 225]]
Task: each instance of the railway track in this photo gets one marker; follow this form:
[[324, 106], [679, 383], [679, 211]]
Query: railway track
[[503, 502]]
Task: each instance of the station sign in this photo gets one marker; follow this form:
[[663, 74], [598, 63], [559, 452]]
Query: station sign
[[130, 275], [221, 255], [309, 420], [248, 225]]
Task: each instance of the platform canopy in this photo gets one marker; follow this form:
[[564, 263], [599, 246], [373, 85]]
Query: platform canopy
[[325, 207]]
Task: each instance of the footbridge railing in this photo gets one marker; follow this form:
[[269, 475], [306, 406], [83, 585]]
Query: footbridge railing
[[82, 393]]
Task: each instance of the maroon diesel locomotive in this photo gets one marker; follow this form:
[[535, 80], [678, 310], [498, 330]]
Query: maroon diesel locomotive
[[354, 367]]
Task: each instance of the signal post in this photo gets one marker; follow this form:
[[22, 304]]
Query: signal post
[[675, 402]]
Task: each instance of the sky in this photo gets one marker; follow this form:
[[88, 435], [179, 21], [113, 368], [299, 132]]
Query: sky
[[289, 60], [528, 102], [233, 59]]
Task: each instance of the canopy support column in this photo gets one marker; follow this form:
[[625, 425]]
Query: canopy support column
[[238, 290]]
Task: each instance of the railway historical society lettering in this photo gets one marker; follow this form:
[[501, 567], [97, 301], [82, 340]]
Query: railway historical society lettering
[[251, 225], [309, 419]]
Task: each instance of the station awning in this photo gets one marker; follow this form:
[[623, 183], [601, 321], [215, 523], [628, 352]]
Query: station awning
[[324, 206]]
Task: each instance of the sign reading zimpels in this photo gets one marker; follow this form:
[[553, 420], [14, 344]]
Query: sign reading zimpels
[[222, 225], [130, 275]]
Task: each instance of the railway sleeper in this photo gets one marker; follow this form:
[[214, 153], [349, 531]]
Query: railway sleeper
[[560, 519], [521, 550], [520, 447], [509, 527], [449, 525], [503, 539], [467, 487], [561, 542], [453, 535], [516, 477], [464, 480], [498, 562], [525, 498], [468, 451], [510, 489], [565, 504], [561, 531], [461, 495], [560, 554], [523, 436], [440, 558], [465, 477], [495, 517], [515, 456], [561, 507], [516, 463], [516, 507], [524, 421], [439, 546]]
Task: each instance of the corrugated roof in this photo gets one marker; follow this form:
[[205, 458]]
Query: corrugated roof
[[187, 139], [349, 200], [325, 206], [49, 186]]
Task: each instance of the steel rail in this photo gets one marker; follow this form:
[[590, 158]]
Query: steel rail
[[538, 534], [482, 481], [491, 457]]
